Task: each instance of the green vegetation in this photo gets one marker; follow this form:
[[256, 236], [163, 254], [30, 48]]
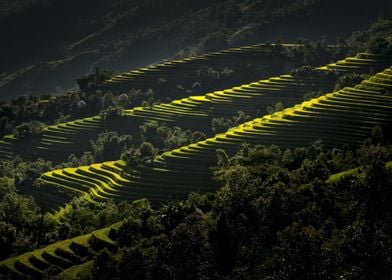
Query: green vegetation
[[179, 171], [194, 112], [175, 171], [284, 200], [166, 80], [30, 130]]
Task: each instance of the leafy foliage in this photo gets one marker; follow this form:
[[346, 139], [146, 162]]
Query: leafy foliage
[[273, 218]]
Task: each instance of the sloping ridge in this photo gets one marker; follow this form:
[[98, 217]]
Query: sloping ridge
[[345, 117], [186, 68]]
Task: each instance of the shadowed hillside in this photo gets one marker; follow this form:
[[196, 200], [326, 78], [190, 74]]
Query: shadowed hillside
[[46, 45]]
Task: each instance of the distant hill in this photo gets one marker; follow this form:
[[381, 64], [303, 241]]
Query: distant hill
[[9, 7], [47, 44]]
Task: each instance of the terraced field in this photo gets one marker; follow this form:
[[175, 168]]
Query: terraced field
[[343, 117], [59, 141], [194, 112], [258, 95], [185, 69], [62, 255], [73, 255]]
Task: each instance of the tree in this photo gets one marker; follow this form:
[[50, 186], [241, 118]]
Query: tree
[[123, 100], [380, 45], [110, 146], [107, 100], [198, 136], [288, 158], [91, 82], [298, 254], [222, 158], [112, 113], [308, 71], [31, 129], [136, 262], [148, 132], [377, 135], [279, 107], [131, 157], [7, 240], [270, 110], [219, 125], [187, 254], [147, 151], [104, 266], [348, 80]]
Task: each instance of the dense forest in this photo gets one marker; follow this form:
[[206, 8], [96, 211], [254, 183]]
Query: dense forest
[[247, 160]]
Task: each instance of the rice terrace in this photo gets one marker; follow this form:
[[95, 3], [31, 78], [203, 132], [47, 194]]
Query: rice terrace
[[196, 140]]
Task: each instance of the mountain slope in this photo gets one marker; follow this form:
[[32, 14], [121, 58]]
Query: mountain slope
[[48, 44], [194, 112], [345, 117]]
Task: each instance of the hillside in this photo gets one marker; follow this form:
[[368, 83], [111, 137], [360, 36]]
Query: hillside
[[47, 45], [195, 112], [180, 171], [161, 140]]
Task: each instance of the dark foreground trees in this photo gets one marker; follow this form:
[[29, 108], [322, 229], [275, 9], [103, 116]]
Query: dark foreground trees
[[277, 216]]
